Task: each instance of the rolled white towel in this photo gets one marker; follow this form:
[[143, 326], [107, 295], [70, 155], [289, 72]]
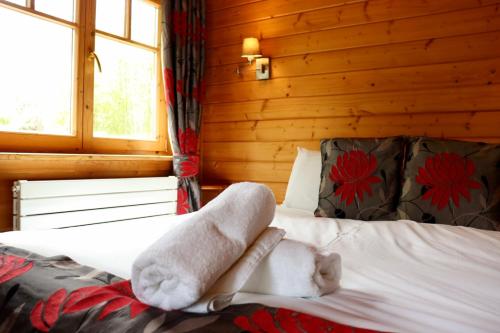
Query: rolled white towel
[[183, 264], [296, 269], [221, 293]]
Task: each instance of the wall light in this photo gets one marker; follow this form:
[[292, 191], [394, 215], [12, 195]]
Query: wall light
[[251, 51]]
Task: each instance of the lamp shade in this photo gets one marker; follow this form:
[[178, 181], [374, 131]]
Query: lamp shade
[[251, 48]]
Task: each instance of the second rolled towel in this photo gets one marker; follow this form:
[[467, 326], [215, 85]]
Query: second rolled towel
[[296, 269], [184, 263]]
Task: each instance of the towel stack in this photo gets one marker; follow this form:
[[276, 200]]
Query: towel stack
[[225, 247]]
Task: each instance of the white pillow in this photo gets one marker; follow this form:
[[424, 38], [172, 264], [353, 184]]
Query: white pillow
[[303, 187]]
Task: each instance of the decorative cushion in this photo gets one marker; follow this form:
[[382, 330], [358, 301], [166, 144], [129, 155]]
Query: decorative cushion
[[303, 185], [452, 182], [360, 178]]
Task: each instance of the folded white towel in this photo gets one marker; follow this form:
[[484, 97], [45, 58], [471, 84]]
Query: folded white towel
[[183, 264], [222, 292], [295, 269]]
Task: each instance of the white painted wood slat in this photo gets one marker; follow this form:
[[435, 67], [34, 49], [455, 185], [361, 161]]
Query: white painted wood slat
[[61, 220], [75, 203], [60, 188]]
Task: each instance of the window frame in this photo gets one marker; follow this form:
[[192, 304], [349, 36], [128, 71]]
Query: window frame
[[82, 140]]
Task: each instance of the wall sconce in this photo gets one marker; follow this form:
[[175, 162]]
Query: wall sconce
[[251, 51]]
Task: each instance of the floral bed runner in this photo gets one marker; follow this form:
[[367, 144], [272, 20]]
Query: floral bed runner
[[56, 294]]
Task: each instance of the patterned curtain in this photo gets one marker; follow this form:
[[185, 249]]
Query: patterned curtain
[[183, 56]]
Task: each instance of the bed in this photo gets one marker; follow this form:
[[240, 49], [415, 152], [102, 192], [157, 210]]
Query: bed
[[397, 275]]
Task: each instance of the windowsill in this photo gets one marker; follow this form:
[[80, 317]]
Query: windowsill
[[81, 157]]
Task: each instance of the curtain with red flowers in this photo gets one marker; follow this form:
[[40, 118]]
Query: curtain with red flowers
[[183, 56]]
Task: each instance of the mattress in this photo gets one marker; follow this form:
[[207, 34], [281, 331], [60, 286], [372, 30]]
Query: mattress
[[396, 276]]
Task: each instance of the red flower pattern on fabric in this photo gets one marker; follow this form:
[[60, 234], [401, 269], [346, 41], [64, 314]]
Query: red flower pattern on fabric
[[168, 76], [196, 31], [45, 313], [190, 167], [284, 320], [13, 266], [353, 174], [116, 296], [180, 87], [182, 201], [447, 176], [180, 24], [188, 141]]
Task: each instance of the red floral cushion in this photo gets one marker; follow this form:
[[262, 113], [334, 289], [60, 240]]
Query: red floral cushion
[[360, 178], [452, 182]]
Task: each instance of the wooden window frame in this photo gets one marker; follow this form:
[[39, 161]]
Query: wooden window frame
[[82, 140]]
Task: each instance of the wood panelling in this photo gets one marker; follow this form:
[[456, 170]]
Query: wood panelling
[[482, 19], [345, 69], [431, 124], [486, 97], [225, 4], [250, 171], [66, 166], [436, 51], [469, 73], [277, 151], [360, 12], [262, 10]]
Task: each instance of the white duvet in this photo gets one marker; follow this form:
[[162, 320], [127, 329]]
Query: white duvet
[[397, 276]]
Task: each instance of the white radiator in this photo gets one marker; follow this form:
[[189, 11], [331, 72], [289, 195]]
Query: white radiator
[[53, 204]]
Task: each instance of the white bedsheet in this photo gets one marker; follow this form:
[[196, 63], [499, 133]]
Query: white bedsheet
[[397, 276], [111, 247]]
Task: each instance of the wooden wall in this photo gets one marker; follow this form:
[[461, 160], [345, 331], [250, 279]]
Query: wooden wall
[[341, 68], [67, 166]]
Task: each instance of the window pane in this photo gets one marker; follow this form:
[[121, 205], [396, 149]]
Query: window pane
[[18, 2], [110, 16], [144, 22], [125, 91], [36, 81], [64, 9]]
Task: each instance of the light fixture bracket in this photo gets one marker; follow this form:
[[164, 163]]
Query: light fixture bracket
[[262, 68]]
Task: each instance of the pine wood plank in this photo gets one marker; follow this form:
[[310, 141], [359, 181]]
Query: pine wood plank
[[270, 8], [429, 100], [226, 31], [481, 72], [255, 151], [249, 171], [478, 20], [279, 190], [215, 5], [465, 124], [207, 196], [472, 47]]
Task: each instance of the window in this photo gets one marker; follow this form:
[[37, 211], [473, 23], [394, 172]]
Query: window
[[81, 76], [29, 105]]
